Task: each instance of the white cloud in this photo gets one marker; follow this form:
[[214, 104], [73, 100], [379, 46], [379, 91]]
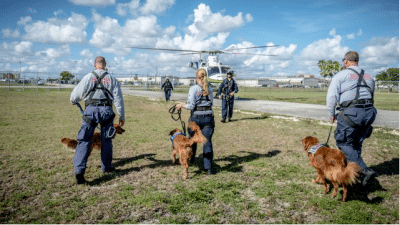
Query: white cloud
[[156, 6], [249, 18], [324, 49], [351, 36], [380, 51], [86, 53], [52, 53], [359, 33], [93, 2], [8, 33], [56, 13], [332, 32], [71, 30], [111, 37], [17, 48], [210, 22], [24, 20], [123, 9]]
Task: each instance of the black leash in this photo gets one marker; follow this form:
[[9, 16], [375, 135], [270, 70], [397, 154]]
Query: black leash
[[330, 131], [178, 112]]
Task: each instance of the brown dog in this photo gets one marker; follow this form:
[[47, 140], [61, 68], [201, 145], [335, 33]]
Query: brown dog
[[331, 164], [96, 139], [183, 145]]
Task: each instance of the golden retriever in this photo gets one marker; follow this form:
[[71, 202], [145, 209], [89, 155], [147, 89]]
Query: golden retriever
[[331, 164], [183, 146]]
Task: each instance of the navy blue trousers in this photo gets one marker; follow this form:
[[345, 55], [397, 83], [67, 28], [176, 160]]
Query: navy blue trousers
[[206, 125], [167, 94], [98, 114], [227, 108], [350, 139]]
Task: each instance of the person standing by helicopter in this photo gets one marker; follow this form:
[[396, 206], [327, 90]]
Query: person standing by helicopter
[[200, 102], [167, 85], [226, 92]]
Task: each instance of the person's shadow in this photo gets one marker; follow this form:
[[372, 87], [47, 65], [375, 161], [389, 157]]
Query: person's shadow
[[359, 192], [236, 162], [122, 161]]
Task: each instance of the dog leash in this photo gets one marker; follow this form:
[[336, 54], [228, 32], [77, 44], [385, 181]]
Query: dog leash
[[179, 111], [330, 131], [82, 112]]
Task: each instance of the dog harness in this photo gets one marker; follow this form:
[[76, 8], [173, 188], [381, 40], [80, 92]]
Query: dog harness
[[173, 137], [107, 102], [354, 103], [315, 148]]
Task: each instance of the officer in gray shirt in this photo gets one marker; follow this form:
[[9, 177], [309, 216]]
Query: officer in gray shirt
[[353, 90], [102, 90]]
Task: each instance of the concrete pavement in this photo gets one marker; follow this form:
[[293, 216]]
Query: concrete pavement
[[385, 118]]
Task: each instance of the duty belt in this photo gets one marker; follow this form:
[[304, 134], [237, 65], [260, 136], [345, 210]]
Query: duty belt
[[357, 102], [203, 108], [98, 102]]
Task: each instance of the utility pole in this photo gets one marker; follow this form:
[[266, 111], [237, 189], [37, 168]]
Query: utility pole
[[23, 82]]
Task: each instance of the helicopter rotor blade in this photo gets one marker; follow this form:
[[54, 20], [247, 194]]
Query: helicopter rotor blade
[[267, 46], [239, 53], [167, 49]]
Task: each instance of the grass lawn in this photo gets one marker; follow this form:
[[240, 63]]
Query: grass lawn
[[263, 174]]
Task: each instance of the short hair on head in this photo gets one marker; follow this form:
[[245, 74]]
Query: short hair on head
[[352, 56], [100, 59]]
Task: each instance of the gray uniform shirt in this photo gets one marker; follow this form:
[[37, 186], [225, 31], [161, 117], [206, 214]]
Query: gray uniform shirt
[[109, 82]]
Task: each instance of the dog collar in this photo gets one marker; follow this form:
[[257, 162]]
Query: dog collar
[[315, 148]]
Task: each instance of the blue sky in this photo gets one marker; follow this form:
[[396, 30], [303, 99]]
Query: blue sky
[[56, 35]]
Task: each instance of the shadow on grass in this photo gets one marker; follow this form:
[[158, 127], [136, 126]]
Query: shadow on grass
[[264, 116], [388, 167], [235, 161], [122, 161]]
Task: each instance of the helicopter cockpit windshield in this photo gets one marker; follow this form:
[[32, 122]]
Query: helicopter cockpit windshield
[[213, 70], [225, 69]]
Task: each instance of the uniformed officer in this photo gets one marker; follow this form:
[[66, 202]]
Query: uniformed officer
[[167, 85], [226, 92], [102, 90], [353, 89], [200, 102]]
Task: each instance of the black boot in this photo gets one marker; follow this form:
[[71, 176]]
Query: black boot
[[368, 175], [80, 179]]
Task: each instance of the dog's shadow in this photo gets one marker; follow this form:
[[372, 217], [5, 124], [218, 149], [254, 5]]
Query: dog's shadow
[[235, 161]]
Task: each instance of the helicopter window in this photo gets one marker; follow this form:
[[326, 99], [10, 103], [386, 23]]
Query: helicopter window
[[224, 69], [212, 70]]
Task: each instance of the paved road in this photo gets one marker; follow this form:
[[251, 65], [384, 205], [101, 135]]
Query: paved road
[[385, 118]]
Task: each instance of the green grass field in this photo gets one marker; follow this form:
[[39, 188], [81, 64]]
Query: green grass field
[[263, 174]]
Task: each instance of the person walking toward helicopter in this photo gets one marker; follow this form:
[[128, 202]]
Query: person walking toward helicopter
[[200, 102], [167, 85], [226, 92]]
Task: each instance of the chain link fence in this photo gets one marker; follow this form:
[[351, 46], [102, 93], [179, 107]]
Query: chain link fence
[[14, 79]]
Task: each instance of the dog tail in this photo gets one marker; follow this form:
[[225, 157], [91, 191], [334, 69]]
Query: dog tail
[[349, 174], [198, 136], [69, 143]]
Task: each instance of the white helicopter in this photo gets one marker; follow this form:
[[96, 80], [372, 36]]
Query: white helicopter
[[216, 71]]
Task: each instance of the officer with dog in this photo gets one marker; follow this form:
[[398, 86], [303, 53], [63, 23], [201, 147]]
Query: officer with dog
[[226, 92], [200, 102], [353, 89], [167, 85], [102, 90]]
